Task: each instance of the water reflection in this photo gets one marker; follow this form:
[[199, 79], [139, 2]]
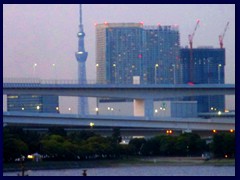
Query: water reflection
[[139, 171]]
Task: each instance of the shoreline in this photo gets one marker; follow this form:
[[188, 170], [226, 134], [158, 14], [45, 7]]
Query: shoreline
[[131, 161]]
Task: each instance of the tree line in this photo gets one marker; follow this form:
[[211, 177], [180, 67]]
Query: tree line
[[57, 144]]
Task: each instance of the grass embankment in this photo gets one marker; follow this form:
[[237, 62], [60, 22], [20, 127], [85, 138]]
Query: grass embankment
[[136, 161]]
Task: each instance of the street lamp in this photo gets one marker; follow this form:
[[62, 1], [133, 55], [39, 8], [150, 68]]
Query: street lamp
[[97, 110], [169, 131], [219, 68], [38, 107], [91, 124], [112, 110], [214, 131], [97, 65], [54, 71], [34, 69], [156, 66], [174, 74], [114, 65]]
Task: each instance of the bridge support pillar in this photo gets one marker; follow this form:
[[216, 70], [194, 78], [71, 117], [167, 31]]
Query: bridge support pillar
[[143, 107], [138, 107]]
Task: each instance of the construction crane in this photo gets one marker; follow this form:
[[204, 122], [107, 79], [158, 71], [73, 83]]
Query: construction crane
[[190, 38], [222, 36]]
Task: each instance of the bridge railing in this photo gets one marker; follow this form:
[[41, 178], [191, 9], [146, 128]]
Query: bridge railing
[[35, 82], [38, 81]]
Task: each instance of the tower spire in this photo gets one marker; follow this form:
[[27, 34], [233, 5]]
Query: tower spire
[[80, 14]]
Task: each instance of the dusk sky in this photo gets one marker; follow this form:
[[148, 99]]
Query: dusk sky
[[47, 34]]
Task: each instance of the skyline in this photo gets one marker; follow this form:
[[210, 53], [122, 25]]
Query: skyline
[[47, 34]]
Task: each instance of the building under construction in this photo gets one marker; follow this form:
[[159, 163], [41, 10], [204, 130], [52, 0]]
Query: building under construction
[[208, 68]]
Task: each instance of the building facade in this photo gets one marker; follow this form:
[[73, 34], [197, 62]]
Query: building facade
[[178, 109], [33, 103], [127, 50], [208, 68]]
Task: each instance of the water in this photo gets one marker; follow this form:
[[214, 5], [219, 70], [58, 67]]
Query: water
[[138, 171]]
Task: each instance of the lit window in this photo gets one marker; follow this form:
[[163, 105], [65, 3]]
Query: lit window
[[12, 97]]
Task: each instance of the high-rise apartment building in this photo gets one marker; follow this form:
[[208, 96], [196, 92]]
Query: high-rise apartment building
[[208, 68], [127, 50], [33, 103]]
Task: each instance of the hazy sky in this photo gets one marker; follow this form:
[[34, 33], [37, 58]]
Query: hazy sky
[[47, 34]]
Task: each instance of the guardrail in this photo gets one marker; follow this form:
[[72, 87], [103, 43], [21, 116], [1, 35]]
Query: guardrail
[[45, 81]]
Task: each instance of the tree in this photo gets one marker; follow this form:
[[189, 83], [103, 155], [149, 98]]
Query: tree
[[229, 144], [57, 131], [14, 148], [116, 135], [167, 145], [52, 145], [77, 137], [223, 144], [136, 145], [13, 145], [32, 139], [151, 147], [190, 144]]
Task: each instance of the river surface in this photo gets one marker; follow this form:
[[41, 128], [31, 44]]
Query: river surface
[[138, 171]]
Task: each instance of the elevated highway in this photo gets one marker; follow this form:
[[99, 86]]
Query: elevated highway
[[74, 121], [119, 91], [139, 92]]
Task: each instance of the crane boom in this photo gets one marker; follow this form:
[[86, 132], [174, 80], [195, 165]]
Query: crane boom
[[221, 37], [190, 36], [191, 64]]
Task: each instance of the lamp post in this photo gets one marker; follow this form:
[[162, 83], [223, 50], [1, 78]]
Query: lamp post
[[110, 109], [91, 124], [54, 71], [219, 78], [97, 110], [155, 79], [114, 65], [34, 69], [38, 108], [174, 74], [97, 65]]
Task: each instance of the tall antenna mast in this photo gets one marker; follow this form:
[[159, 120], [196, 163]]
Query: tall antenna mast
[[80, 14], [81, 57]]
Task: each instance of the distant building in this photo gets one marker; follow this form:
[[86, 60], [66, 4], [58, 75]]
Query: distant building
[[178, 109], [33, 103], [208, 68], [130, 53], [127, 50]]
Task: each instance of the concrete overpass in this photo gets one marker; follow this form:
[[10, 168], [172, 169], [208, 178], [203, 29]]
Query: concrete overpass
[[75, 121], [119, 90], [143, 94]]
